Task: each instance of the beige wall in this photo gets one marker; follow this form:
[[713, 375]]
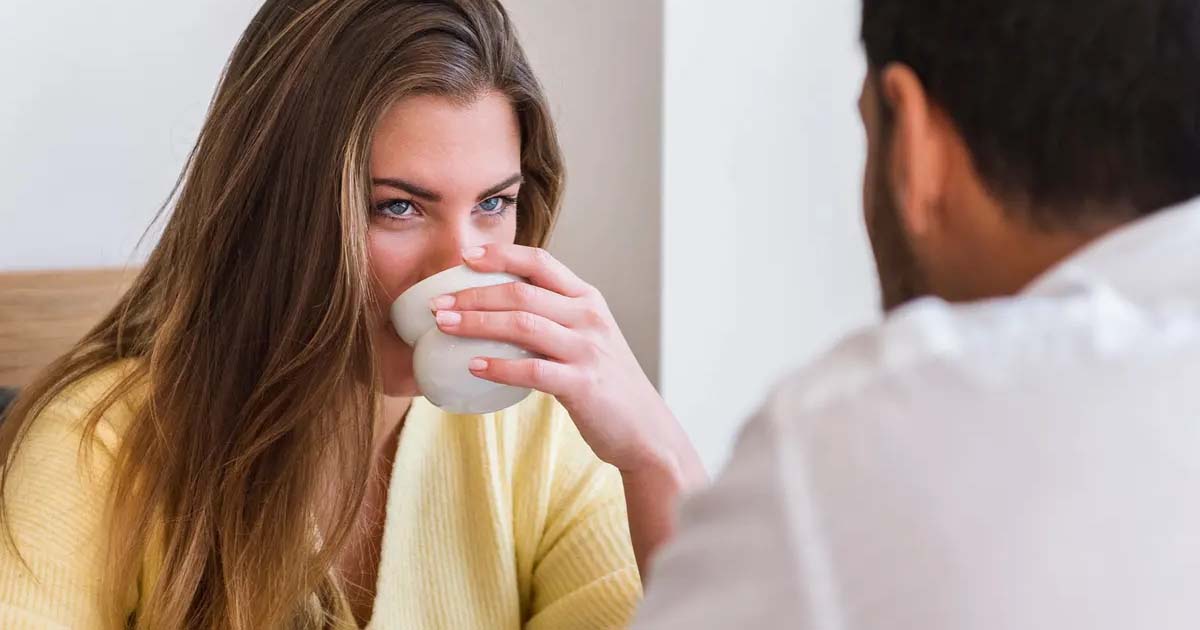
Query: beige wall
[[715, 166], [601, 63]]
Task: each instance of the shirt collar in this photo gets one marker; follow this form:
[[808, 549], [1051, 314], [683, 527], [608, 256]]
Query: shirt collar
[[1153, 258]]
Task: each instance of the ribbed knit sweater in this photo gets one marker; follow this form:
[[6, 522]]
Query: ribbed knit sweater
[[500, 521]]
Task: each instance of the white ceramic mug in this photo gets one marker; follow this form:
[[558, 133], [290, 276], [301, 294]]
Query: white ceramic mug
[[440, 360]]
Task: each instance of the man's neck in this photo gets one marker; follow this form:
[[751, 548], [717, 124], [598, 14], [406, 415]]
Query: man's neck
[[1007, 255], [1028, 257]]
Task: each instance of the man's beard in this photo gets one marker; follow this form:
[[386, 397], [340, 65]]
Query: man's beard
[[900, 277]]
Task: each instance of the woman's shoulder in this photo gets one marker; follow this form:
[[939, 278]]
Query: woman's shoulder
[[56, 497], [90, 398]]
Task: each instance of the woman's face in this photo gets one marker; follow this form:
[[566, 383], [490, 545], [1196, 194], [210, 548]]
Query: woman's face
[[445, 178]]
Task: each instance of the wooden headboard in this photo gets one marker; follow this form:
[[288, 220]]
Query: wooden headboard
[[42, 313]]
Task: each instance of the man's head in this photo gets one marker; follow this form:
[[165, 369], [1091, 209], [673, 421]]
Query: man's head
[[1005, 134]]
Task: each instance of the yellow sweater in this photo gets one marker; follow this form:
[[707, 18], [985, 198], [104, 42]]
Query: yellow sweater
[[500, 521]]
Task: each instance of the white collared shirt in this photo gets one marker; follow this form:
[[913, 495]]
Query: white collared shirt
[[1020, 464]]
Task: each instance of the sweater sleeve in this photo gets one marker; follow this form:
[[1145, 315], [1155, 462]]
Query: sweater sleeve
[[56, 499], [585, 574]]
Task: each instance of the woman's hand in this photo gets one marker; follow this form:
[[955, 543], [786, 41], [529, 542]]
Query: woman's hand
[[587, 365]]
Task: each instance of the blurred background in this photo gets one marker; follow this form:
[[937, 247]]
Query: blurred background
[[713, 148]]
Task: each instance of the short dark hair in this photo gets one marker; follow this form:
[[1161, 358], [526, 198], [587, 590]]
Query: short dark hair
[[1076, 109]]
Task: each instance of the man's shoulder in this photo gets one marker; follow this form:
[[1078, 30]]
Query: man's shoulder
[[930, 349], [918, 336]]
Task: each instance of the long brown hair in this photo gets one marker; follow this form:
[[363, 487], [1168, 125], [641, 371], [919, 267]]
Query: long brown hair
[[248, 331]]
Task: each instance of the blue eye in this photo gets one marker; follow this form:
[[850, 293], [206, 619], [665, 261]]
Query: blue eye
[[491, 205], [496, 205], [396, 208]]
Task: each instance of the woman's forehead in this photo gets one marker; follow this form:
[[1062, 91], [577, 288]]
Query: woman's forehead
[[439, 143]]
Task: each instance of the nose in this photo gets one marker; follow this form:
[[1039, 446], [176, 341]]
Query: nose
[[449, 242]]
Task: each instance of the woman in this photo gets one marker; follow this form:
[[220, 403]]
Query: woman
[[239, 445]]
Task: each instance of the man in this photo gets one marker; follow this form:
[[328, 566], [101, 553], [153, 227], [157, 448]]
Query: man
[[1020, 447]]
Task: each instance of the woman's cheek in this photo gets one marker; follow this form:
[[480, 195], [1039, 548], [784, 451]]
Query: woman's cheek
[[394, 263]]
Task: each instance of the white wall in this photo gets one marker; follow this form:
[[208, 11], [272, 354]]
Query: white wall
[[102, 102], [601, 64], [765, 258]]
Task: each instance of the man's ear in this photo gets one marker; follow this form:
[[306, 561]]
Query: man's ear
[[917, 163]]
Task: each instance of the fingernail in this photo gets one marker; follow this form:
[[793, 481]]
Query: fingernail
[[442, 303], [477, 365], [473, 253], [448, 318]]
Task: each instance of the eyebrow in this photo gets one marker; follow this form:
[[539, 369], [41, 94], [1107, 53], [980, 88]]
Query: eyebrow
[[412, 189], [429, 195], [498, 188]]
